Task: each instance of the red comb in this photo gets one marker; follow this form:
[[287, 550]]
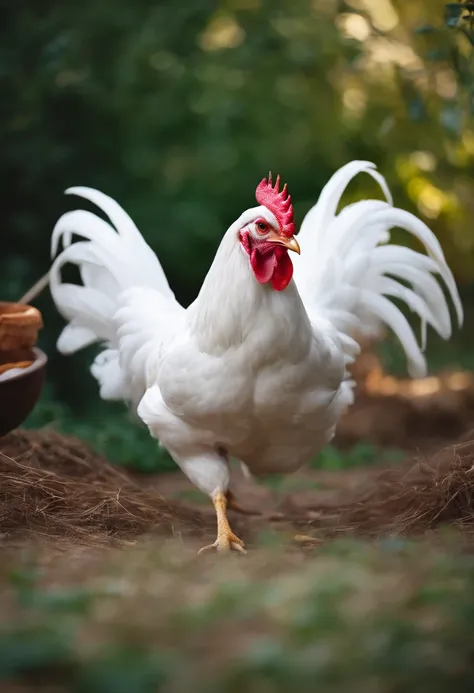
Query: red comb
[[279, 203]]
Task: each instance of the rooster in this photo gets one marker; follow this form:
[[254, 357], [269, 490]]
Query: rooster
[[256, 368]]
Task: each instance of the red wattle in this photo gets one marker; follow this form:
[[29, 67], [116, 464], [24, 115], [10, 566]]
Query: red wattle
[[263, 264], [283, 270], [272, 263]]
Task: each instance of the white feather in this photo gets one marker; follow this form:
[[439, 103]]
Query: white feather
[[74, 337], [111, 260], [346, 270]]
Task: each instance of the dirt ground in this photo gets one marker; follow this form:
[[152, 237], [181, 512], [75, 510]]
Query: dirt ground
[[54, 489]]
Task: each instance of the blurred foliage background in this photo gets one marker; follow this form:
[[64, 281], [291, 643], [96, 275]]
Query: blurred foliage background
[[178, 109]]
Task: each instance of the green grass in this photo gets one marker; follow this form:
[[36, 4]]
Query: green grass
[[108, 428], [360, 455], [287, 483], [388, 617]]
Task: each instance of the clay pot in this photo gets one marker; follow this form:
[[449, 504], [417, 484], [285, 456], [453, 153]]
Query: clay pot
[[20, 391], [19, 325]]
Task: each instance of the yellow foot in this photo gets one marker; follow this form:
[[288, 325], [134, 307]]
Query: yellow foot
[[225, 543], [226, 539]]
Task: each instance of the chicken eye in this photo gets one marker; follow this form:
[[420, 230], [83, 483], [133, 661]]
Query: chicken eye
[[262, 226]]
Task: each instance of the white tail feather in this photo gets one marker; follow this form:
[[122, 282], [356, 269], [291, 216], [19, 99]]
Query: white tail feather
[[347, 269], [111, 261]]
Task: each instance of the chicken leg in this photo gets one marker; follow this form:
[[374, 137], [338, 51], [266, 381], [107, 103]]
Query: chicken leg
[[226, 539]]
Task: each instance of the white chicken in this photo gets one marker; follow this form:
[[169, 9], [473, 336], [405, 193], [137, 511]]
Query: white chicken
[[256, 367]]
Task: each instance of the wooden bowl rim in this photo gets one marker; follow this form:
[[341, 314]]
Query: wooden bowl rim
[[16, 312], [40, 362]]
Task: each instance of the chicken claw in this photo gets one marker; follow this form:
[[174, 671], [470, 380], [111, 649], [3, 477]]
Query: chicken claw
[[225, 543], [226, 539]]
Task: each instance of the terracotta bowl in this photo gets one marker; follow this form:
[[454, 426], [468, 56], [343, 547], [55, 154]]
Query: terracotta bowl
[[19, 326], [20, 392]]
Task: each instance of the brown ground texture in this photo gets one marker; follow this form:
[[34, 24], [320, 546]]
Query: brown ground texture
[[84, 524], [55, 487]]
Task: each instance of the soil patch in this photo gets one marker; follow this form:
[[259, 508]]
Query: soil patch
[[55, 486]]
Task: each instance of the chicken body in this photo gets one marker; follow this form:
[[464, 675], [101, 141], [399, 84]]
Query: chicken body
[[246, 371], [264, 390]]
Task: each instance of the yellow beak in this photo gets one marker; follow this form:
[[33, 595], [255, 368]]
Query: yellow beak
[[289, 243]]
